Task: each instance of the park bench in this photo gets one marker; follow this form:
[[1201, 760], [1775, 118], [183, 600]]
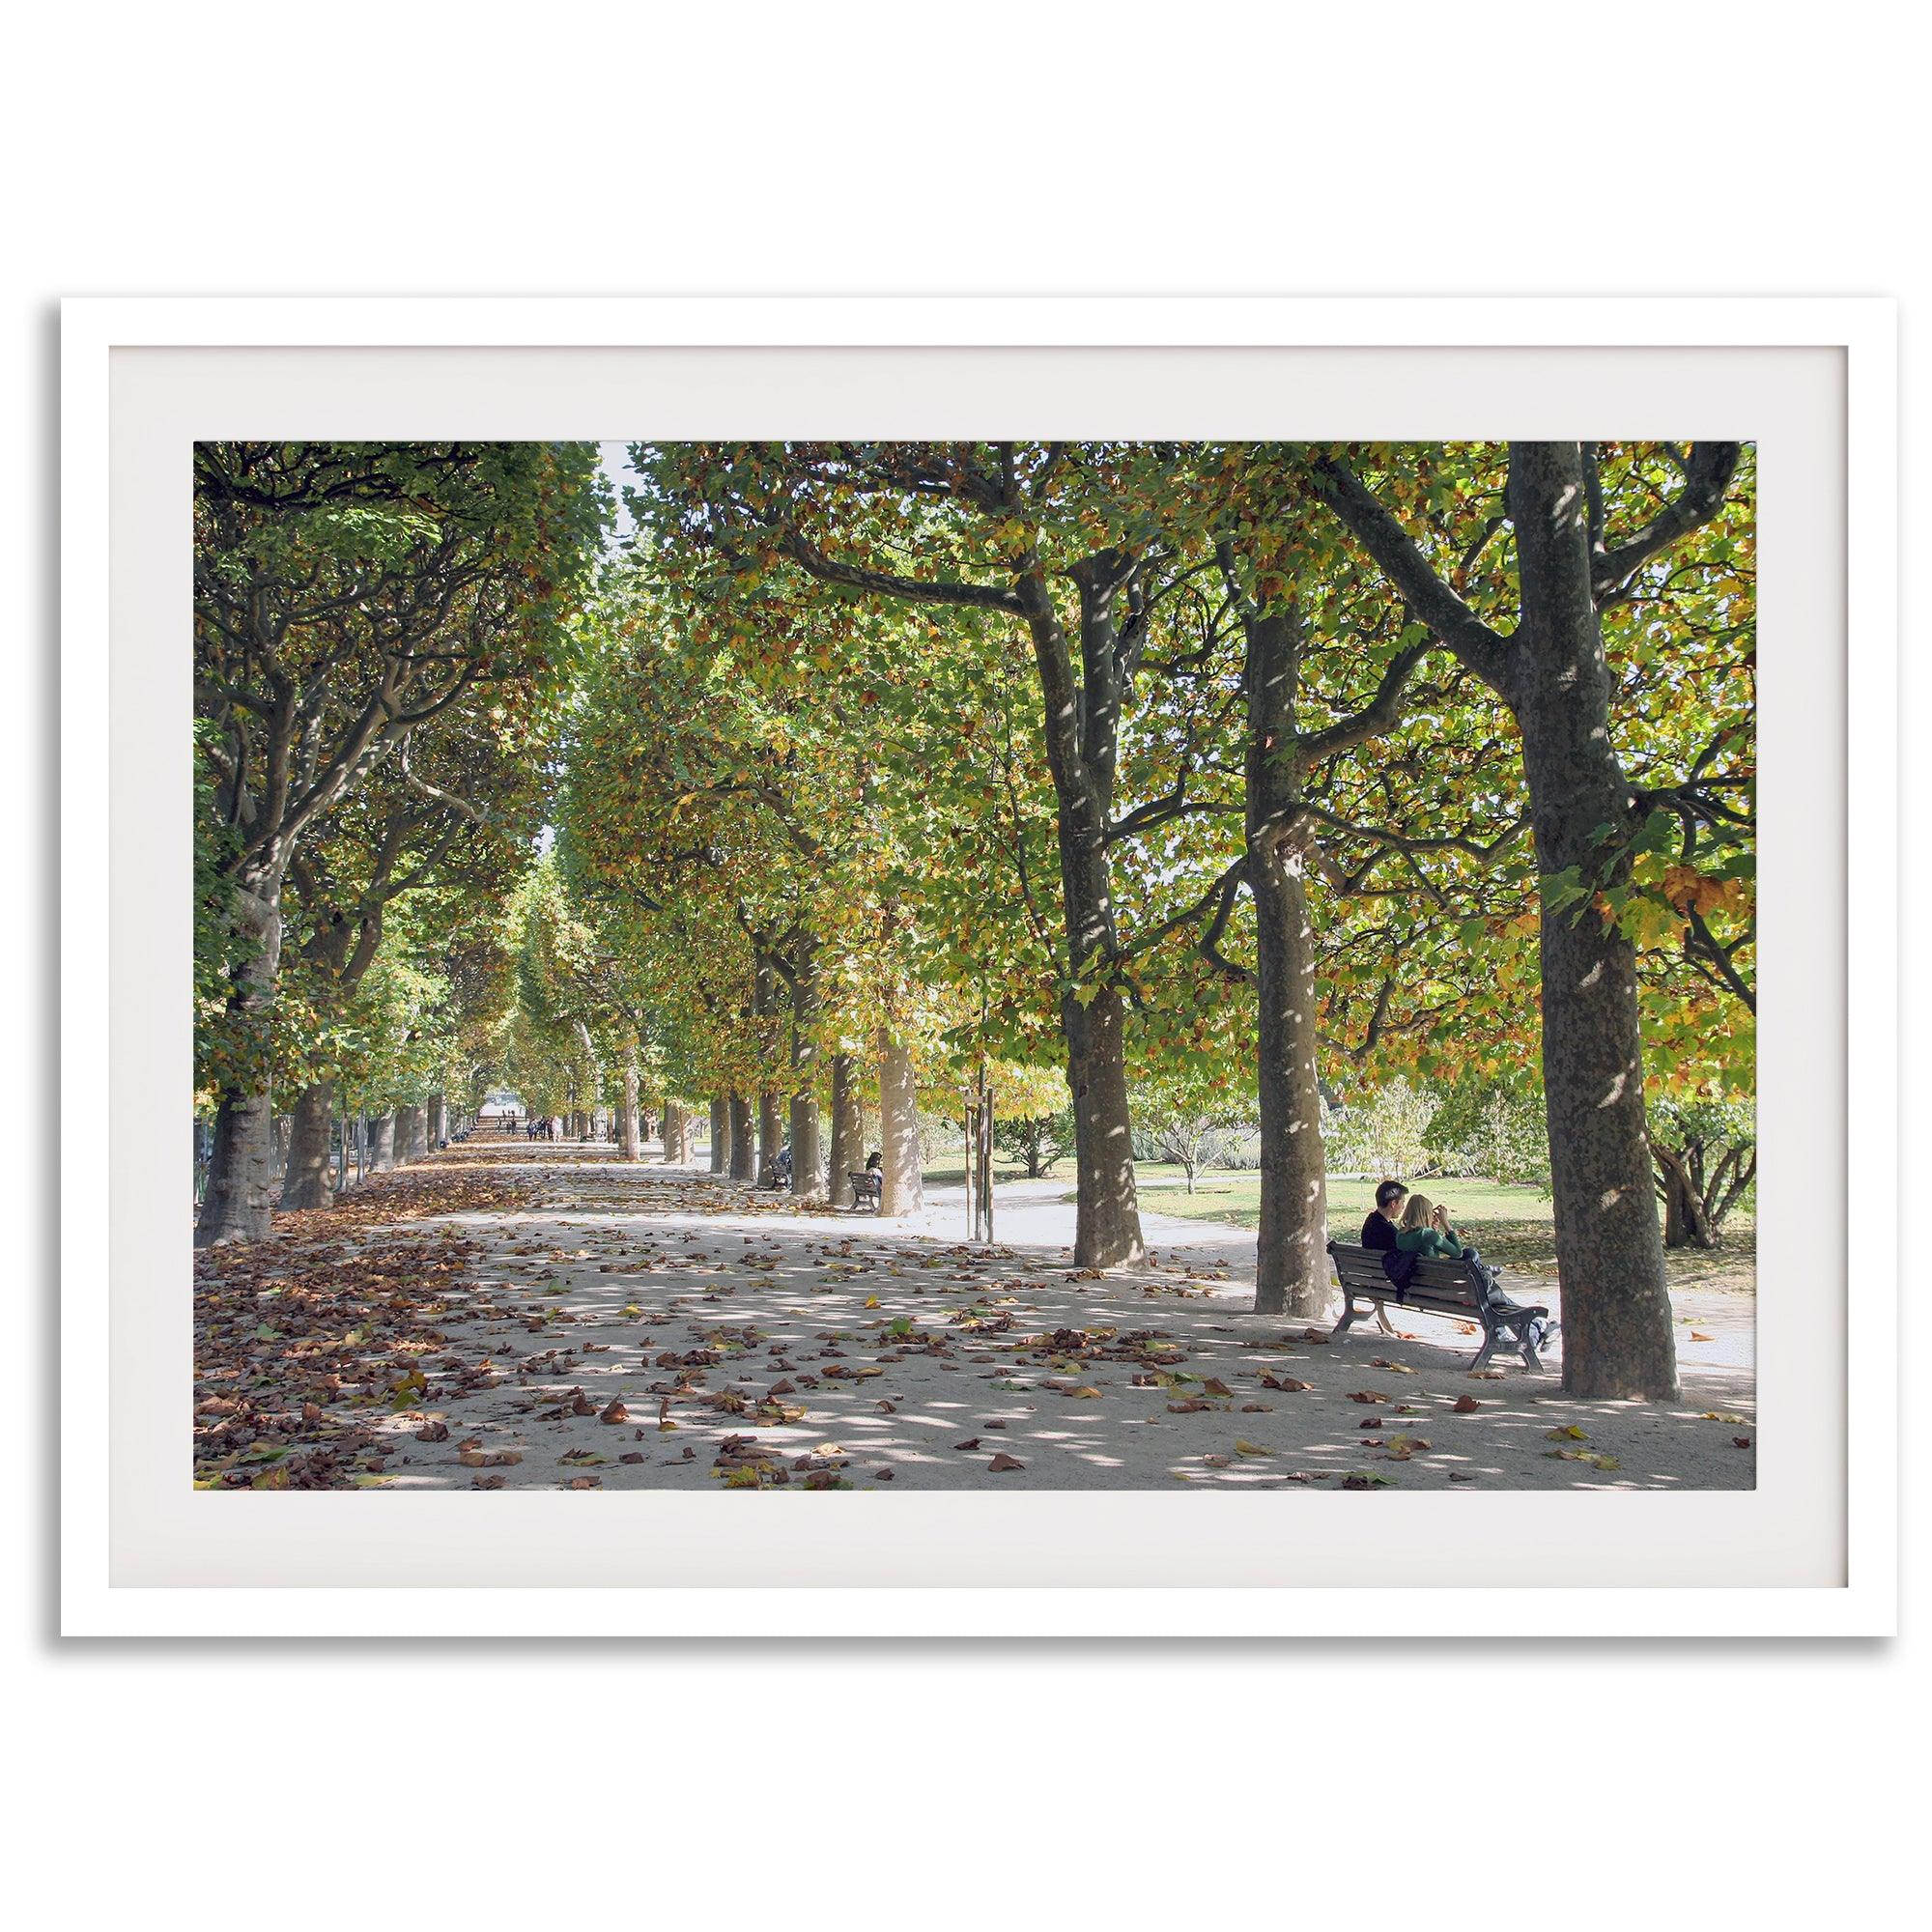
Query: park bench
[[867, 1184], [1437, 1287]]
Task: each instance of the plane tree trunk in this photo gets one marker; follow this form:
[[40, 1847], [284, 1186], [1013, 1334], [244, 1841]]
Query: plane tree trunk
[[307, 1181], [236, 1203], [743, 1145], [1082, 732], [902, 1187], [1617, 1336], [848, 1134], [1291, 1251], [629, 1146], [808, 1165]]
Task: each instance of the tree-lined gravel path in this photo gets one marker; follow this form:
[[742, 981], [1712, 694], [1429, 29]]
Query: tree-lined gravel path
[[509, 1316]]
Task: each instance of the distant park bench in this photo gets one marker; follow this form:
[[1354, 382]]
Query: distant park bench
[[868, 1185], [1437, 1287]]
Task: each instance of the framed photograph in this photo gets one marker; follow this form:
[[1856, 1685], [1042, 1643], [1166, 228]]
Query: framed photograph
[[1037, 966]]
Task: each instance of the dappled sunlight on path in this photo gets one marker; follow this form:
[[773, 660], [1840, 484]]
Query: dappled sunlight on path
[[515, 1314]]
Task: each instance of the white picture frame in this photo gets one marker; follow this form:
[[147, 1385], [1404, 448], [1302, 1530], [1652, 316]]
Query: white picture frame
[[1828, 1439]]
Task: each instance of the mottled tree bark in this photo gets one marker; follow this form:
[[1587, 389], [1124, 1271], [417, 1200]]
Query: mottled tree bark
[[1609, 1252], [764, 1026], [848, 1143], [1290, 1252], [677, 1135], [234, 1205], [744, 1147], [1082, 735], [382, 1150], [903, 1185], [807, 1160], [627, 1145], [721, 1135], [436, 1122], [306, 1179], [771, 1131]]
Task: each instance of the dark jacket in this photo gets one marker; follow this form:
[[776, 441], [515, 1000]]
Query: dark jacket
[[1378, 1231]]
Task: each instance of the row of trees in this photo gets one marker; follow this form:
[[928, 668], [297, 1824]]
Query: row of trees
[[1017, 774], [1221, 764], [381, 636]]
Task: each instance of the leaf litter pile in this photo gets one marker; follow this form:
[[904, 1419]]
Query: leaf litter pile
[[497, 1318]]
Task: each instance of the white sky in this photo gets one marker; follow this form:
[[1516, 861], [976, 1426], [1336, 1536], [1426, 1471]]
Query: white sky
[[616, 465]]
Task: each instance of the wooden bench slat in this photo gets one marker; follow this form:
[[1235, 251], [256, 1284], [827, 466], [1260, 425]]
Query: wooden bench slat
[[1436, 1286]]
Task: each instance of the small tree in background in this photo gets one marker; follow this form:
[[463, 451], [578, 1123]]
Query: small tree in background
[[1495, 1131], [1387, 1134], [1039, 1139], [1705, 1157], [1182, 1119]]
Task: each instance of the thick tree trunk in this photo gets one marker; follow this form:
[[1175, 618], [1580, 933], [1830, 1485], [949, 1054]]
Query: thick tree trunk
[[1081, 729], [627, 1127], [1291, 1250], [721, 1135], [1616, 1311], [848, 1131], [771, 1131], [677, 1135], [902, 1186], [438, 1121], [382, 1150], [744, 1147], [764, 1023], [808, 1155], [235, 1205], [807, 1162], [1106, 1216], [306, 1179]]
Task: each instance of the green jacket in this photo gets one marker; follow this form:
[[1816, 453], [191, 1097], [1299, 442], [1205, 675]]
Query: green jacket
[[1427, 1241]]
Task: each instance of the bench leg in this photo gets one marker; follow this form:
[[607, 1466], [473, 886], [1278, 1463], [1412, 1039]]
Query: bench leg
[[1488, 1345], [1349, 1316]]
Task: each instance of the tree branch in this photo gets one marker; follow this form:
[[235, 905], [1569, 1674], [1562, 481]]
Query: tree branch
[[1707, 475]]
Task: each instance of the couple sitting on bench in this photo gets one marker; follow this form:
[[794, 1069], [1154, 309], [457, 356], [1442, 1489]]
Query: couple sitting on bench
[[1406, 1227]]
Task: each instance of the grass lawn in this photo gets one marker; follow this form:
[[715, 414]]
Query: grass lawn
[[1514, 1226], [1236, 1198]]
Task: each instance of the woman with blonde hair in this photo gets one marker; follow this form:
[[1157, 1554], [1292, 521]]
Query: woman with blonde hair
[[1425, 1230]]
